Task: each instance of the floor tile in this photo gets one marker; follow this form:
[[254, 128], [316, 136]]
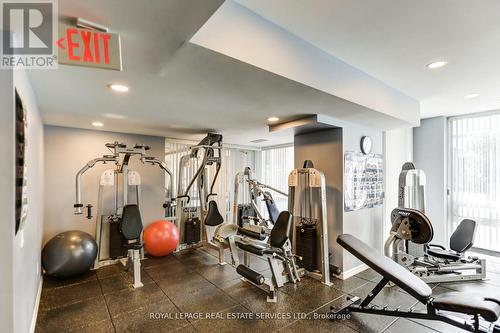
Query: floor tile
[[58, 297], [407, 326], [349, 284], [131, 299], [184, 284], [369, 275], [209, 299], [121, 281], [219, 274], [156, 317], [158, 272], [110, 270], [74, 315], [51, 282], [235, 319]]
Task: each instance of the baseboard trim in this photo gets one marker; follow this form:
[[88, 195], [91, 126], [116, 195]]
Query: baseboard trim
[[37, 305], [353, 271]]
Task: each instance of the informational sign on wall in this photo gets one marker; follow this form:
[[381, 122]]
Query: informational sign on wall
[[363, 180], [89, 48]]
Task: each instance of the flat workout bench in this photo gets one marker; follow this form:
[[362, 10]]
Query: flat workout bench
[[484, 310]]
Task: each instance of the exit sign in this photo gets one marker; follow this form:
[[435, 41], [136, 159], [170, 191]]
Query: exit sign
[[89, 48]]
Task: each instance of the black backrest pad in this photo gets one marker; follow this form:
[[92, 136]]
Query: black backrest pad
[[213, 217], [131, 225], [462, 238], [272, 209], [281, 229], [386, 267]]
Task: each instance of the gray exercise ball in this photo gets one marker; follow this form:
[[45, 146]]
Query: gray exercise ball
[[69, 254]]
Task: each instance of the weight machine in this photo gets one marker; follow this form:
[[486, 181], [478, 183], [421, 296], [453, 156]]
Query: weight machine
[[246, 206], [307, 203], [409, 240], [119, 225], [194, 209]]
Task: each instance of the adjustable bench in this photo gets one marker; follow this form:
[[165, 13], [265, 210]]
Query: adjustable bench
[[483, 310]]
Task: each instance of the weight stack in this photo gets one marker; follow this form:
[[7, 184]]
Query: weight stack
[[192, 230], [305, 246], [245, 210]]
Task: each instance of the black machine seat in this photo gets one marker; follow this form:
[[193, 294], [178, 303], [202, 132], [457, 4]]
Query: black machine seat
[[281, 230], [386, 267], [468, 303], [251, 233], [439, 252], [213, 217], [279, 236], [252, 248], [461, 240], [131, 223]]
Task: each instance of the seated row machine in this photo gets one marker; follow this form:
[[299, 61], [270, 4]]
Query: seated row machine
[[483, 310], [278, 253]]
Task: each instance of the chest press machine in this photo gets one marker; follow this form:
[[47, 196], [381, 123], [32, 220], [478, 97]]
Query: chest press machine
[[119, 224], [482, 310], [247, 193], [194, 208]]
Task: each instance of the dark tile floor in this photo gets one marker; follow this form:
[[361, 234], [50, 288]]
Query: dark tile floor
[[193, 282]]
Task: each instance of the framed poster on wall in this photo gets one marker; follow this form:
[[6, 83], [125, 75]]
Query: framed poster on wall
[[363, 181], [21, 195]]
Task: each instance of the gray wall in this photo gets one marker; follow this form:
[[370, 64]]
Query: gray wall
[[430, 154], [315, 146], [20, 273], [67, 150]]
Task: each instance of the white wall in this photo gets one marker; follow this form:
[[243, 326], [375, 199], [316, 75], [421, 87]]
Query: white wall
[[431, 154], [398, 149], [67, 150], [366, 224], [7, 201], [27, 244], [20, 273], [240, 33]]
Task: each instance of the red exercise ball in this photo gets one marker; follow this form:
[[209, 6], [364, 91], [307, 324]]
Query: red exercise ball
[[161, 238]]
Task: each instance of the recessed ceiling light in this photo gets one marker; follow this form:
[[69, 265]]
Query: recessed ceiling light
[[469, 96], [118, 87], [437, 64], [114, 116], [273, 119], [97, 124]]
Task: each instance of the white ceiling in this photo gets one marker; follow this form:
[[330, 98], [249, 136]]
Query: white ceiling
[[393, 40], [182, 90]]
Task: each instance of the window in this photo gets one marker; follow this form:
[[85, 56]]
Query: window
[[475, 176], [277, 163], [234, 160]]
